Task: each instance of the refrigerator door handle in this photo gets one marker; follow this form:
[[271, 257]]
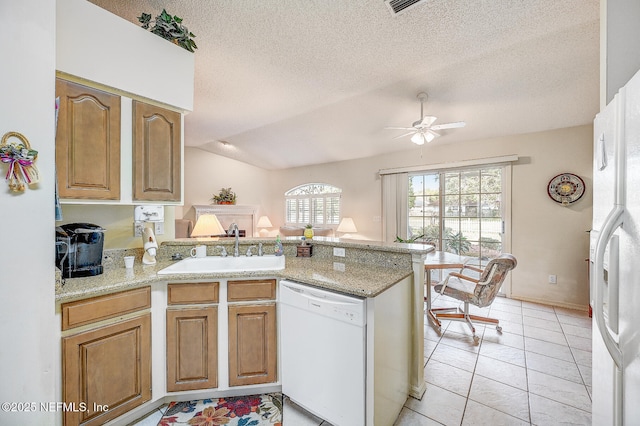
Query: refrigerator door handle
[[614, 221], [614, 286]]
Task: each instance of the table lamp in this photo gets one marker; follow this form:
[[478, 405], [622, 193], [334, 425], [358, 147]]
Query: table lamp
[[207, 225], [346, 226], [264, 223]]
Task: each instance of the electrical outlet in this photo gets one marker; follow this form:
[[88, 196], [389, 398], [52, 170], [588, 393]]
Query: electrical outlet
[[159, 228], [338, 251], [138, 228], [553, 279]]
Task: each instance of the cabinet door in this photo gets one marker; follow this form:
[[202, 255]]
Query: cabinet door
[[156, 147], [107, 371], [87, 142], [252, 344], [192, 348]]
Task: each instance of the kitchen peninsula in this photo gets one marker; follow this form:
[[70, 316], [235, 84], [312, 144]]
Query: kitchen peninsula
[[389, 277]]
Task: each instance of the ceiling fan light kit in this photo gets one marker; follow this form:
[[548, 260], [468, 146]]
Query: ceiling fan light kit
[[423, 130]]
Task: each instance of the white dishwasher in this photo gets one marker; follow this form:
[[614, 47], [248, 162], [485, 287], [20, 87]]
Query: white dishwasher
[[323, 352]]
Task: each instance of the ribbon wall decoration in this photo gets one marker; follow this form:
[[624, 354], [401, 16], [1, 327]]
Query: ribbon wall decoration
[[20, 161]]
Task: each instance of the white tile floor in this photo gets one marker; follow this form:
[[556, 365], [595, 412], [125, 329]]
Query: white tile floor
[[537, 372]]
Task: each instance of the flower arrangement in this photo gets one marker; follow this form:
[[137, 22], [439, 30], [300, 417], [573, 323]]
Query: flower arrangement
[[225, 196], [170, 28]]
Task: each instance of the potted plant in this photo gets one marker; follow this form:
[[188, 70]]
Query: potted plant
[[308, 231], [170, 28], [225, 196]]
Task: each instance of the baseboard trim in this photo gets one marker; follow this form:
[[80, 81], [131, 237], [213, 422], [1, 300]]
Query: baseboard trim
[[574, 306]]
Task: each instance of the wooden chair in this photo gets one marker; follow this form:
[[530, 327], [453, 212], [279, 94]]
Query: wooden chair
[[479, 291]]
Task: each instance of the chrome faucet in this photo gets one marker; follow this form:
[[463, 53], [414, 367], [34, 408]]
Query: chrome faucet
[[234, 228], [249, 254]]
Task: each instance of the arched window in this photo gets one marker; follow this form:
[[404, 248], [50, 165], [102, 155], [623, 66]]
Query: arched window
[[314, 203]]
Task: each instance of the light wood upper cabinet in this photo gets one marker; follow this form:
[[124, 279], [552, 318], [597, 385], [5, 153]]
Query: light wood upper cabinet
[[157, 147], [87, 142]]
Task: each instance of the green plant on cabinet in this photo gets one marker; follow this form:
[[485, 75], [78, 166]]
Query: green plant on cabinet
[[169, 28]]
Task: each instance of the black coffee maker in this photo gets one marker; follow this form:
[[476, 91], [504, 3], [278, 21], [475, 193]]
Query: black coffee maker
[[79, 249]]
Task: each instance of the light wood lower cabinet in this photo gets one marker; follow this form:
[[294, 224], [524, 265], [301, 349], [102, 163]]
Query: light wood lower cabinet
[[107, 371], [252, 344], [192, 348]]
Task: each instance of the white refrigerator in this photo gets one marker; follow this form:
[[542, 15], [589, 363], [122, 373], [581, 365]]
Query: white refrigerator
[[615, 260]]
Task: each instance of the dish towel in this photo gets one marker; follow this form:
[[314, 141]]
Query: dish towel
[[58, 206]]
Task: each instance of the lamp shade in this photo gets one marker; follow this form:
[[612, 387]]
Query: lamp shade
[[207, 226], [264, 222], [347, 225]]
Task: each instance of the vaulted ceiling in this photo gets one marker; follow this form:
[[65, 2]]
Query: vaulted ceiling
[[289, 83]]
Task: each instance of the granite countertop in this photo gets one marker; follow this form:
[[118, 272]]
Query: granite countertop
[[358, 279]]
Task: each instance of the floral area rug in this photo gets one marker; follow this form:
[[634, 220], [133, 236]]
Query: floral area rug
[[253, 410]]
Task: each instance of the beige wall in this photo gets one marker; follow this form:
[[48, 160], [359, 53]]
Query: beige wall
[[546, 237], [117, 221], [205, 173]]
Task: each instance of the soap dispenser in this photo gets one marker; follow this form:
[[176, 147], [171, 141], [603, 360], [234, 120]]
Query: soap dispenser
[[150, 246], [278, 249]]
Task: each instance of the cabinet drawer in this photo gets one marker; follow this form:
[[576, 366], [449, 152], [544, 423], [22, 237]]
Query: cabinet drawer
[[238, 291], [191, 293], [99, 308]]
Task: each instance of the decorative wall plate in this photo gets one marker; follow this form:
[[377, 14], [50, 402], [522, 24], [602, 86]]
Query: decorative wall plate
[[566, 188]]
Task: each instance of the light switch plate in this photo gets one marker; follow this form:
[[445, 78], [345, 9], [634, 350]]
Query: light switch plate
[[338, 251]]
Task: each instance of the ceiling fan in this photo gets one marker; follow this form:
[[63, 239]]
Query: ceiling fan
[[424, 130]]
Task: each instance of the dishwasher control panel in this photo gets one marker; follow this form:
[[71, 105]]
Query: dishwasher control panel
[[322, 302]]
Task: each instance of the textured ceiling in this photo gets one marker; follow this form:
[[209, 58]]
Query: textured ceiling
[[295, 82]]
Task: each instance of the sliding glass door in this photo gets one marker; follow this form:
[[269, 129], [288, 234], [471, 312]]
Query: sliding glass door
[[459, 211]]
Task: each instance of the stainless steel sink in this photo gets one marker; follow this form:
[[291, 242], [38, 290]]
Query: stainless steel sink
[[203, 265]]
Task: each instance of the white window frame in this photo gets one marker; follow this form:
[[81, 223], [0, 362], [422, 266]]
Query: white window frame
[[307, 193]]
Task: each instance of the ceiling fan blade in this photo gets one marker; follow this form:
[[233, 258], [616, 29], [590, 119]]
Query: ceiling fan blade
[[399, 128], [455, 125], [406, 134], [431, 132], [428, 120]]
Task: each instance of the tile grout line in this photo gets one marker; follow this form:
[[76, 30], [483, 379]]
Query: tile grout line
[[575, 361], [526, 371]]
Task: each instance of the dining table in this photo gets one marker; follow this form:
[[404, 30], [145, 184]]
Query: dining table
[[438, 260]]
